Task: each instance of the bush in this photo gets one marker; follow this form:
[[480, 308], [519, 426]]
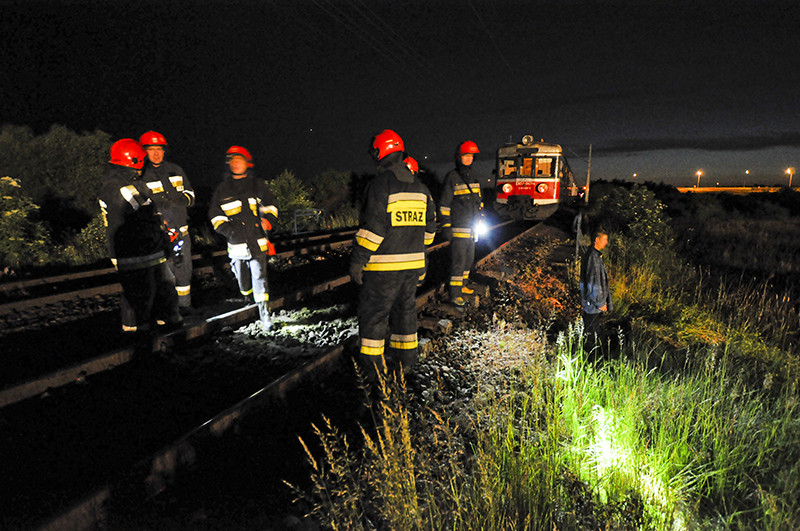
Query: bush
[[23, 239], [290, 195], [60, 171], [87, 247]]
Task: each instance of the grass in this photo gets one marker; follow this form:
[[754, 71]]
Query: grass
[[563, 442]]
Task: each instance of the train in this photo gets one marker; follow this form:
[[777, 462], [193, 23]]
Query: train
[[531, 180]]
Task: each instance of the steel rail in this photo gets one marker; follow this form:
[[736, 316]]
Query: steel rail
[[115, 288], [7, 287], [154, 473]]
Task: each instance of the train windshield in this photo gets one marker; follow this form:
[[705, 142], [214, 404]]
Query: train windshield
[[529, 166]]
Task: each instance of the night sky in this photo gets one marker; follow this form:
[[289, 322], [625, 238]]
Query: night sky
[[659, 89]]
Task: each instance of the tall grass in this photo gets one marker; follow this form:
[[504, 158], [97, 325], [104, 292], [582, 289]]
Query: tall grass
[[566, 443]]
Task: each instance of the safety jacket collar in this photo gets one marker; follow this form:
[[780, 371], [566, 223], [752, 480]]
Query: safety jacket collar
[[394, 163]]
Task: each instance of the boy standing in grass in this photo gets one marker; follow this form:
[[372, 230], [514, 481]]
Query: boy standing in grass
[[595, 292]]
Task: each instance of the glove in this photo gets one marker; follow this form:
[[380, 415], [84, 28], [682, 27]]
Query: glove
[[447, 233], [266, 225], [357, 273]]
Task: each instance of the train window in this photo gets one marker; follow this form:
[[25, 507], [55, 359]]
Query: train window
[[526, 167], [544, 166], [507, 167]]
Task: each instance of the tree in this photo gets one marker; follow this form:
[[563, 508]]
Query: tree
[[60, 171], [23, 240], [290, 195], [330, 190]]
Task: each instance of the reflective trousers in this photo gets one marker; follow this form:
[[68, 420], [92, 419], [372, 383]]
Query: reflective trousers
[[251, 274], [148, 294], [181, 268], [462, 254], [387, 307]]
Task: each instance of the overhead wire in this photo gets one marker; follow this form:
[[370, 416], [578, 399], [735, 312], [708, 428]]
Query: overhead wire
[[489, 34]]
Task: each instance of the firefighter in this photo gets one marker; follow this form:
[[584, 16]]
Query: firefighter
[[398, 220], [172, 195], [243, 210], [136, 242], [460, 209]]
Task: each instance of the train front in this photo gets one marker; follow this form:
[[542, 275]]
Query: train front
[[532, 179]]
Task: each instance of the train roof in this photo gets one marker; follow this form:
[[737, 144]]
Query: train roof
[[537, 148]]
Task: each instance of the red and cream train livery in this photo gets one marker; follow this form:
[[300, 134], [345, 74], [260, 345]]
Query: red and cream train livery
[[533, 179]]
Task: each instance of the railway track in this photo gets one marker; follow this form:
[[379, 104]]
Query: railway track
[[34, 293], [159, 468]]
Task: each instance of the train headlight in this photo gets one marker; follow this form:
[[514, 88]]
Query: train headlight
[[541, 188], [507, 188]]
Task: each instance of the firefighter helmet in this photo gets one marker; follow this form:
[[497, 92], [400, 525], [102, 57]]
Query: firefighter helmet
[[127, 152], [152, 138], [384, 143], [412, 164], [468, 148], [240, 151]]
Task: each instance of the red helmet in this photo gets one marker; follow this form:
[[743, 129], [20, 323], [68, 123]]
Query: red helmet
[[152, 138], [467, 148], [242, 152], [127, 152], [384, 143], [412, 164]]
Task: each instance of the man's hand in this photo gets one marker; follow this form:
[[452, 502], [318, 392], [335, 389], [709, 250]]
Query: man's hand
[[357, 273]]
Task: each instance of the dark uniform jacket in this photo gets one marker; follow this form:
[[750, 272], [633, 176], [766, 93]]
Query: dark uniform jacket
[[398, 220], [461, 201], [595, 292], [172, 193], [237, 208], [133, 227]]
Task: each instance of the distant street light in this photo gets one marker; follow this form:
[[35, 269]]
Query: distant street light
[[699, 173], [634, 175], [790, 171]]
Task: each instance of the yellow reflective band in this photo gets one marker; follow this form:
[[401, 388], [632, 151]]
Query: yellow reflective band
[[219, 220], [403, 345], [246, 293], [403, 337], [461, 192], [444, 210], [183, 290], [253, 205], [429, 237], [462, 233], [156, 187], [422, 277], [263, 244], [260, 297], [368, 239], [372, 347], [458, 282], [271, 209], [372, 351], [395, 262], [466, 275], [177, 182], [184, 229], [126, 328], [232, 208]]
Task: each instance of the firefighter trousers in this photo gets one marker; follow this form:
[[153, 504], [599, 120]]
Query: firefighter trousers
[[251, 274], [181, 267], [462, 254], [387, 306], [148, 294]]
